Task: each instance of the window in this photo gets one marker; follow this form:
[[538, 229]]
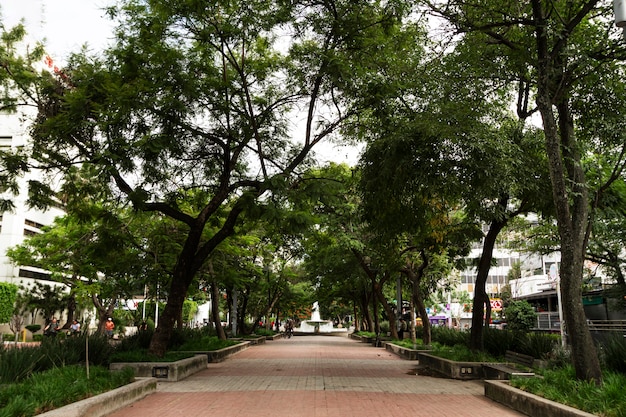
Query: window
[[24, 273], [33, 224]]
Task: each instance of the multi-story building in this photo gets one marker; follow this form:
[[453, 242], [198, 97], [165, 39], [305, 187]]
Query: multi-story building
[[23, 221]]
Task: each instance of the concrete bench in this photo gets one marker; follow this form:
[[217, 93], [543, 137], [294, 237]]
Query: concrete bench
[[502, 371]]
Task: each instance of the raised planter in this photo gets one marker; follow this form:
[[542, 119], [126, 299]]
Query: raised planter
[[221, 354], [403, 352], [451, 369], [274, 336], [107, 402], [256, 340], [165, 371], [527, 403]]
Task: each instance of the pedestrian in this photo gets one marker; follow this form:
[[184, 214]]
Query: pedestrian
[[108, 327], [52, 328], [402, 329], [75, 328]]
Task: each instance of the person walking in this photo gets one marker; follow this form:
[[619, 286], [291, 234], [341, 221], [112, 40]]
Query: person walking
[[52, 328], [109, 326]]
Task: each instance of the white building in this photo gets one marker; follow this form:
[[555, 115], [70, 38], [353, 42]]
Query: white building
[[23, 221]]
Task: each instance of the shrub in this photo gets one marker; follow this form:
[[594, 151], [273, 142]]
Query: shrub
[[58, 387], [450, 337], [614, 353], [33, 328], [384, 326], [18, 364], [497, 341], [520, 316], [538, 345]]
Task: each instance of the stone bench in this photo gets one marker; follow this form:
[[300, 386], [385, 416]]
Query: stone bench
[[505, 370]]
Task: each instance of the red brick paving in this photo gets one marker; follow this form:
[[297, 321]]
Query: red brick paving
[[317, 376]]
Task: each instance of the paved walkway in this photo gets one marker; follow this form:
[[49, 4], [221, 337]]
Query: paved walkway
[[316, 376]]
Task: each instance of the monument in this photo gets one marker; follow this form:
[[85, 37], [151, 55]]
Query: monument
[[316, 325]]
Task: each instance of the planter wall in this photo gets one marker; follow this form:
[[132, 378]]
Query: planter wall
[[403, 352], [452, 369], [106, 403], [221, 354], [164, 371], [527, 403]]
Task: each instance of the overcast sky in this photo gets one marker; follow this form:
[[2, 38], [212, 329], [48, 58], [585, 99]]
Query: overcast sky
[[64, 25]]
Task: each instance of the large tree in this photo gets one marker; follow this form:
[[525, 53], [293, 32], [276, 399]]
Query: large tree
[[564, 53], [225, 99]]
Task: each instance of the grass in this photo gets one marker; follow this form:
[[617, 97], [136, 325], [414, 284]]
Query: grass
[[58, 387], [418, 345], [561, 386], [461, 353], [206, 343]]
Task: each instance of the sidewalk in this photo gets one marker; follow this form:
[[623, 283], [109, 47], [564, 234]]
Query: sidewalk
[[316, 376]]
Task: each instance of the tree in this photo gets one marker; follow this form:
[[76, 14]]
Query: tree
[[8, 296], [563, 53], [520, 316], [204, 98]]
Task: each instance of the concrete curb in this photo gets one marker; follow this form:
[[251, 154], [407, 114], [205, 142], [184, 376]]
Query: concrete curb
[[104, 404], [165, 371], [527, 403]]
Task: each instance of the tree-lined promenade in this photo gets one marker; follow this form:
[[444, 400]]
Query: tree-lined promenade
[[315, 376], [186, 156]]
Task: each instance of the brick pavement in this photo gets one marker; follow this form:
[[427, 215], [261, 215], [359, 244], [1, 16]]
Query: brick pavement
[[315, 376]]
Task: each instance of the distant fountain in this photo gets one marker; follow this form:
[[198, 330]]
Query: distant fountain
[[316, 325]]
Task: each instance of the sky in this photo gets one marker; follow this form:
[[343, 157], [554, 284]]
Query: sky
[[64, 26]]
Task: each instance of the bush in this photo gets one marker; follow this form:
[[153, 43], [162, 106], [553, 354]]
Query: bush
[[538, 345], [384, 326], [520, 316], [58, 387], [614, 353], [33, 328], [18, 364], [450, 337], [497, 341]]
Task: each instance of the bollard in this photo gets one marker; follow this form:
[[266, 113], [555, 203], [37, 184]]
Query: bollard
[[23, 335]]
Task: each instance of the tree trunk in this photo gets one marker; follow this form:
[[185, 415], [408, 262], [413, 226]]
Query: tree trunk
[[243, 310], [569, 189], [215, 311], [481, 298], [420, 306], [367, 322], [388, 310]]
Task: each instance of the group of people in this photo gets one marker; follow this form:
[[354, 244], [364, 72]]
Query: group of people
[[53, 327]]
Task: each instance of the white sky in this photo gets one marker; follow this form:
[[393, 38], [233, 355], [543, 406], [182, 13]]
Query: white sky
[[64, 26]]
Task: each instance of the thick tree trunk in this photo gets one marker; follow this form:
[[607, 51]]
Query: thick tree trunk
[[417, 296], [215, 311], [171, 313], [420, 306], [572, 211], [481, 298], [388, 310], [367, 321]]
